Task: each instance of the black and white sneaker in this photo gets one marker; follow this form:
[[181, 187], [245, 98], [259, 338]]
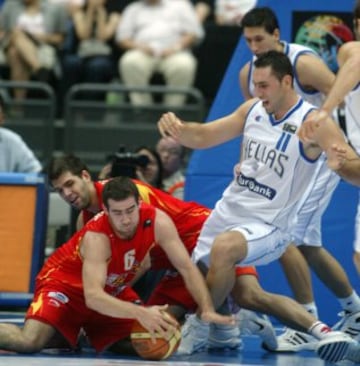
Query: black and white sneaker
[[349, 324], [251, 322], [294, 341], [338, 346]]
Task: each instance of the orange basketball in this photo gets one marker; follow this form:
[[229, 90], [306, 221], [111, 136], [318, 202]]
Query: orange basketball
[[145, 348]]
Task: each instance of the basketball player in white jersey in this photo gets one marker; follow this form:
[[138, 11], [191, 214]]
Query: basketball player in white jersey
[[250, 224], [312, 81], [347, 88]]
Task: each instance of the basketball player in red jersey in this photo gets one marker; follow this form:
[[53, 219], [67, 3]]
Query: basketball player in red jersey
[[70, 177], [85, 282]]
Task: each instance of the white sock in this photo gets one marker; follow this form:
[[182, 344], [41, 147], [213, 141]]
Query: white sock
[[311, 308], [319, 330], [351, 303]]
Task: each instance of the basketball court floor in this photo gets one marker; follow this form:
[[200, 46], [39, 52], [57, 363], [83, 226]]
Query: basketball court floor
[[251, 354]]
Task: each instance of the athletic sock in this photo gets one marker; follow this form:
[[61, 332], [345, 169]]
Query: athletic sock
[[312, 309], [350, 304], [319, 330]]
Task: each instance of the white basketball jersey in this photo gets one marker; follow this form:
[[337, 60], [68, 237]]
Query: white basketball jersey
[[352, 116], [293, 51], [274, 172]]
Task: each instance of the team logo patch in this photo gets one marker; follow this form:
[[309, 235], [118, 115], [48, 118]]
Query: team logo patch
[[59, 296], [288, 127]]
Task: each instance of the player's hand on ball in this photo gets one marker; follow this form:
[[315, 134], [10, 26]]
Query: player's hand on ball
[[158, 322], [157, 345]]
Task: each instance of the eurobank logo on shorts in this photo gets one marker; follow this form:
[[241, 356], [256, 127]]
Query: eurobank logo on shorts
[[252, 185]]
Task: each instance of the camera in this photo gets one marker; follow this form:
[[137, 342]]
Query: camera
[[124, 163]]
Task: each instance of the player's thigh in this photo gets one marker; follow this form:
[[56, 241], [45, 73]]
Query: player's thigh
[[60, 310], [265, 243]]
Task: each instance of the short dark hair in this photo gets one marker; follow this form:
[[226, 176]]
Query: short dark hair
[[66, 163], [119, 189], [261, 17], [278, 61]]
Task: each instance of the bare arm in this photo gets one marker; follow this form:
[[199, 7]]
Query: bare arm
[[320, 129], [243, 79], [95, 250], [196, 135], [314, 74], [203, 10], [345, 162], [168, 238], [129, 44], [347, 77], [79, 221], [83, 22], [106, 25]]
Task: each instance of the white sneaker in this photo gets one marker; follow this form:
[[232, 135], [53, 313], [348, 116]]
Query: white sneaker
[[194, 336], [253, 323], [349, 324], [338, 346], [224, 337], [294, 341]]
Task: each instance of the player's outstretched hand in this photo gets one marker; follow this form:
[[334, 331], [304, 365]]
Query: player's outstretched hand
[[170, 125], [213, 317]]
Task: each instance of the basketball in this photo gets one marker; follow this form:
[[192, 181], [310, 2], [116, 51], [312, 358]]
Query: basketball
[[145, 348]]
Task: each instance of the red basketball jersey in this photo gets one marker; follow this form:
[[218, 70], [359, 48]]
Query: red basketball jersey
[[65, 264], [188, 217]]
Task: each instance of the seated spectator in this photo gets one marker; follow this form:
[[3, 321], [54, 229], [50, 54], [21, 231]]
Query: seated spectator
[[15, 155], [230, 12], [33, 32], [68, 3], [172, 157], [94, 27], [152, 172], [204, 10], [157, 36]]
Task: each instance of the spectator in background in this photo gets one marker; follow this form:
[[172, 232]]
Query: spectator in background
[[204, 10], [157, 36], [149, 171], [152, 172], [172, 155], [68, 3], [33, 32], [15, 155], [230, 12], [94, 25]]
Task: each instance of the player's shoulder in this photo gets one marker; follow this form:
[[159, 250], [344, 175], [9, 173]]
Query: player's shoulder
[[250, 104], [245, 69], [352, 46], [161, 217]]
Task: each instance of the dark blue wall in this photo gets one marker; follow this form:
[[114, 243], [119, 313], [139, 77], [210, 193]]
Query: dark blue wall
[[210, 170]]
